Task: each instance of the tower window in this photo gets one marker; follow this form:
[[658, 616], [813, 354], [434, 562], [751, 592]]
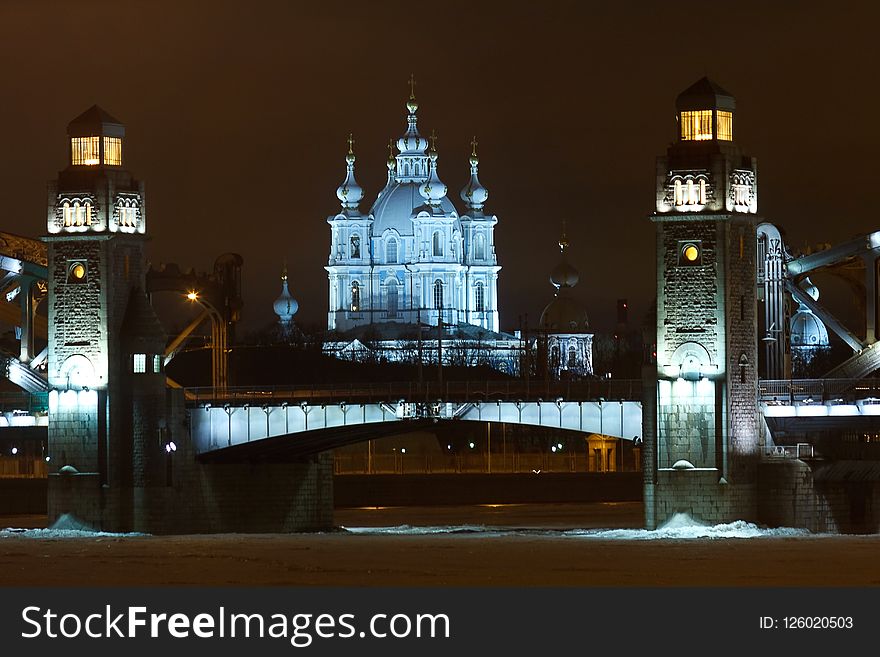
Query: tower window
[[725, 125], [438, 294], [139, 365], [157, 364], [697, 125], [77, 272], [438, 243], [113, 151], [355, 246], [572, 357], [128, 214], [479, 297], [355, 296], [479, 247], [85, 151], [391, 251], [690, 253]]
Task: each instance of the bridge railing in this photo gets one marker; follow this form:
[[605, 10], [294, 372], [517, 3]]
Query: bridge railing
[[818, 390], [413, 391]]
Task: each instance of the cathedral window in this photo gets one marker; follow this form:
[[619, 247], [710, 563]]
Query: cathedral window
[[438, 294], [392, 298], [391, 251], [438, 243], [85, 151], [113, 151], [725, 125], [479, 297], [355, 246], [355, 296], [479, 247], [572, 357], [554, 357]]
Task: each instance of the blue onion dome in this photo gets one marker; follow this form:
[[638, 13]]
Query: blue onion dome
[[349, 192], [474, 194], [285, 305], [412, 143], [564, 275], [433, 189]]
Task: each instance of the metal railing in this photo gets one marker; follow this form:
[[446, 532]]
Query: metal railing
[[413, 391], [818, 390]]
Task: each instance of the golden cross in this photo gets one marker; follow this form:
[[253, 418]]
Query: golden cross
[[390, 148], [563, 241], [412, 86], [474, 146], [350, 144], [433, 140]]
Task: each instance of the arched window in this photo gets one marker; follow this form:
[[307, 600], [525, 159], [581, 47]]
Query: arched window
[[702, 191], [691, 193], [80, 212], [438, 243], [355, 296], [391, 251], [572, 357], [479, 247], [554, 356], [391, 288], [66, 213], [438, 294], [479, 297], [679, 193], [355, 246]]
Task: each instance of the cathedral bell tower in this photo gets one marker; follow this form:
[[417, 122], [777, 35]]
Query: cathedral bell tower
[[701, 435], [105, 365]]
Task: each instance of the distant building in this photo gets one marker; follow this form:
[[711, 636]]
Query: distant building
[[565, 324], [285, 307], [809, 337]]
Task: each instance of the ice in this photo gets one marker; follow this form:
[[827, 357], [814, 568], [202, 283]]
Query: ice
[[680, 527], [67, 526]]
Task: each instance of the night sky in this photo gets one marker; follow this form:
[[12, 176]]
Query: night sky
[[237, 115]]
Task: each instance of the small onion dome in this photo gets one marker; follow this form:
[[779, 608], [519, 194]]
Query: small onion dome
[[565, 315], [564, 275], [434, 189], [349, 192], [474, 194], [285, 305], [412, 143], [811, 290]]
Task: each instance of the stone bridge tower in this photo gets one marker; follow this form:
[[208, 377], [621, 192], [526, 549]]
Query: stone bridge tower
[[701, 434], [105, 366]]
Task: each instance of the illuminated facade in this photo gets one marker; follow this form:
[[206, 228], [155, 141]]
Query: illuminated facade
[[701, 439], [412, 259]]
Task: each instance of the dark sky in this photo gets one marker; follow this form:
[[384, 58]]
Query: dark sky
[[237, 115]]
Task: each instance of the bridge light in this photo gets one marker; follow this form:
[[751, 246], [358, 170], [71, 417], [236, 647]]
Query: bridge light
[[192, 295], [403, 450], [207, 407], [14, 451], [471, 445], [553, 449], [449, 447], [48, 458]]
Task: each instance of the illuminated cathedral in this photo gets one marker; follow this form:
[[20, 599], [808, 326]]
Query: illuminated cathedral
[[413, 261]]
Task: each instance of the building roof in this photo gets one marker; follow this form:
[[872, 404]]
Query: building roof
[[95, 121], [705, 94], [141, 331]]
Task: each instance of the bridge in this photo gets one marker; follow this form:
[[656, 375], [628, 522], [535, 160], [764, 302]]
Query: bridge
[[290, 422]]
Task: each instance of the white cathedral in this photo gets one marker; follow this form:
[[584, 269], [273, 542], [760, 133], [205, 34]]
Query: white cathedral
[[413, 260]]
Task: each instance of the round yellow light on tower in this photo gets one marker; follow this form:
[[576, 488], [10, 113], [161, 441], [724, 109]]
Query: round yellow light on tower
[[78, 271], [691, 253]]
